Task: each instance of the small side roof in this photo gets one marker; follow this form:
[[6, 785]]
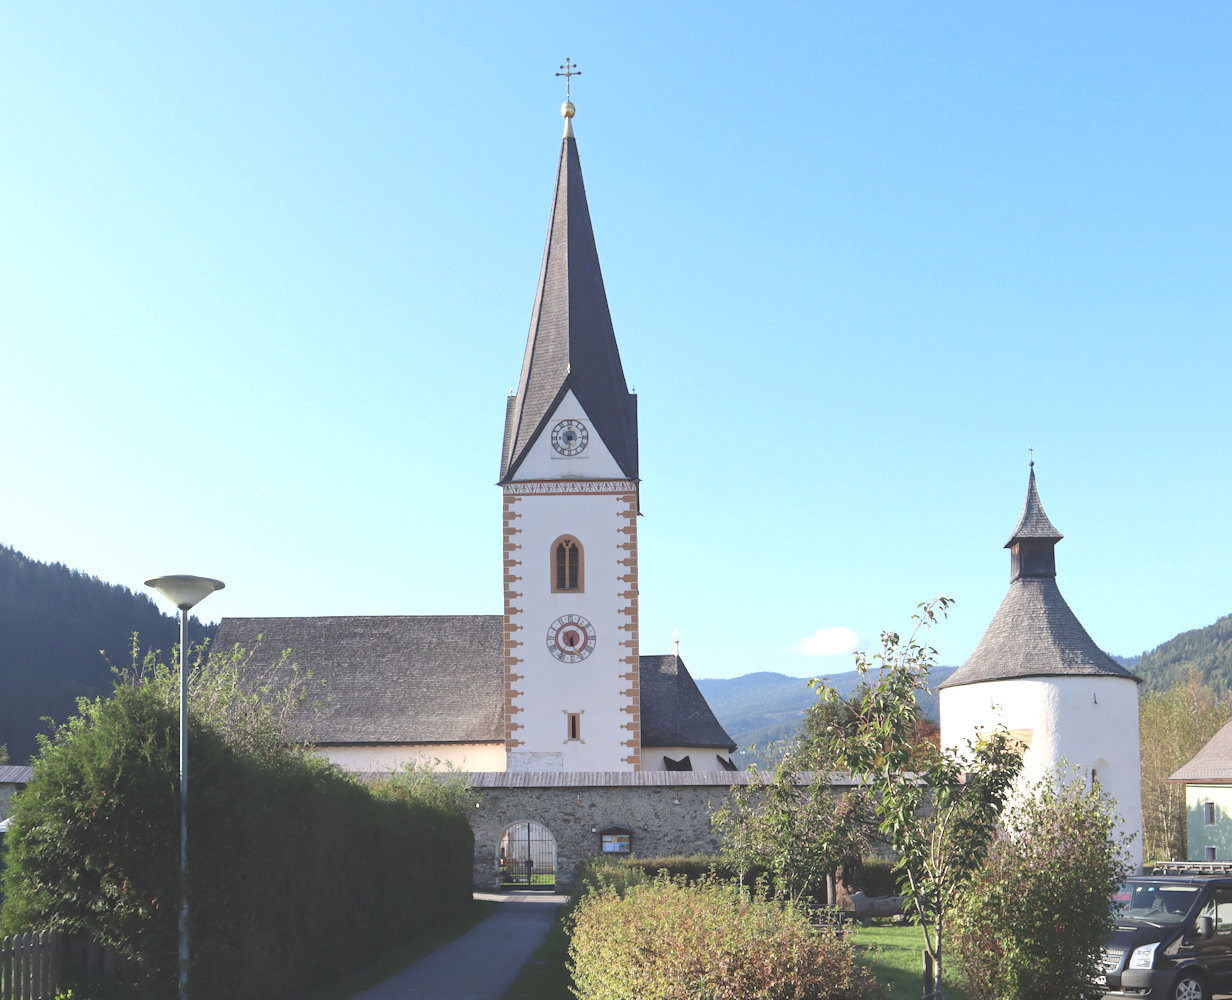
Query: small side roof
[[674, 711], [15, 774], [1212, 764]]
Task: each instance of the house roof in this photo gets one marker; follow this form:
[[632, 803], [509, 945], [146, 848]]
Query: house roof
[[1033, 523], [1035, 634], [397, 679], [1212, 764], [571, 344], [674, 712], [15, 774]]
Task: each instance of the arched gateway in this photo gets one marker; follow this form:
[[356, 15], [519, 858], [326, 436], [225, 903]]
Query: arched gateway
[[526, 858]]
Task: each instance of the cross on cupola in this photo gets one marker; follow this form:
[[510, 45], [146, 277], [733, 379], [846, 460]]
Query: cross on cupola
[[570, 71]]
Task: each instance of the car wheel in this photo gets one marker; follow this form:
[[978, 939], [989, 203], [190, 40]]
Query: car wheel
[[1190, 986]]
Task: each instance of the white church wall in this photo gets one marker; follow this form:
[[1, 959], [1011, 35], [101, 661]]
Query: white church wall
[[702, 758], [1089, 722], [375, 758], [542, 691], [592, 462]]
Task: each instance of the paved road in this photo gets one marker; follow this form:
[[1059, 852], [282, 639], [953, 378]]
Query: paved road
[[484, 962]]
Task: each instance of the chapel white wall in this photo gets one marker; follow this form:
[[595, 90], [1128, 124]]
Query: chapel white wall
[[1087, 722], [702, 758], [441, 756]]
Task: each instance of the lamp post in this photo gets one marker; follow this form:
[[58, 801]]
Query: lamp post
[[185, 592]]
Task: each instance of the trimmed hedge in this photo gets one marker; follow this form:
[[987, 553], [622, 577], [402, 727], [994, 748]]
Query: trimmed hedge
[[875, 876], [297, 873], [707, 941]]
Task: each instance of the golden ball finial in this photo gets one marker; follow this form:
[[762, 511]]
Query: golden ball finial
[[567, 110]]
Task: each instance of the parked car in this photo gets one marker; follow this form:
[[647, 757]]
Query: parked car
[[1173, 939]]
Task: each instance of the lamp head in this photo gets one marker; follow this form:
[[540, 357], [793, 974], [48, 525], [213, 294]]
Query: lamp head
[[185, 592]]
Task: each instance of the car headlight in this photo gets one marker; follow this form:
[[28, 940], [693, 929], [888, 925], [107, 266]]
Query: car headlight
[[1144, 957]]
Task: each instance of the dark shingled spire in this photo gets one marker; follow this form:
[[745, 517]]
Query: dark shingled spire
[[1034, 522], [1034, 633], [571, 344]]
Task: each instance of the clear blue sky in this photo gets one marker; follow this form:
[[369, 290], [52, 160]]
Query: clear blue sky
[[266, 272]]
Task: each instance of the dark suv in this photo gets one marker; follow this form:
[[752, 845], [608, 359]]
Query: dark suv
[[1174, 934]]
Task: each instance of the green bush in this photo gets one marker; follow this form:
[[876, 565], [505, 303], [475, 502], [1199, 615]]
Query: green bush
[[296, 871], [1033, 920], [668, 940]]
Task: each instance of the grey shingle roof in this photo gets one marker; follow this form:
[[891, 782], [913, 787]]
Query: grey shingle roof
[[1035, 634], [396, 679], [674, 711], [1213, 763], [390, 678], [1034, 522], [571, 344]]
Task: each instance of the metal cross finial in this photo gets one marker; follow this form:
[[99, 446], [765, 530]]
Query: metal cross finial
[[570, 71], [1031, 453], [676, 639]]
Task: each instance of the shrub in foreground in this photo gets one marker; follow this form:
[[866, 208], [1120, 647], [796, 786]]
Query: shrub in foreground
[[296, 871], [1032, 922], [706, 941]]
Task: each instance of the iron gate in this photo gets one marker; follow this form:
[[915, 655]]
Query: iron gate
[[527, 858]]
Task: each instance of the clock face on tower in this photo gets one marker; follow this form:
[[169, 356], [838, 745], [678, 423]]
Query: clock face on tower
[[571, 638], [569, 437]]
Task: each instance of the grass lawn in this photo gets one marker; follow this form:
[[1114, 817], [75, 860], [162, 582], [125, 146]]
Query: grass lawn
[[895, 956], [545, 976], [395, 961]]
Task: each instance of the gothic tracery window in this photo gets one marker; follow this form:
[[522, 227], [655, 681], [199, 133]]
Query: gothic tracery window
[[566, 565]]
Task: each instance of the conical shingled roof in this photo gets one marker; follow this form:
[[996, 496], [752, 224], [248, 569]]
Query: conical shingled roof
[[1034, 633], [571, 344], [1034, 522]]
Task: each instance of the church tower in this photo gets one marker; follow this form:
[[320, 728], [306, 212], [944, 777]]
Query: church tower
[[570, 481], [1038, 673]]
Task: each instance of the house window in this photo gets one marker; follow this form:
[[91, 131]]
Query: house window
[[573, 724], [1208, 813], [1210, 854], [566, 565], [615, 840]]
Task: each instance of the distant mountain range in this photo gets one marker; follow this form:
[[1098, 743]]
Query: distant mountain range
[[60, 629], [764, 708]]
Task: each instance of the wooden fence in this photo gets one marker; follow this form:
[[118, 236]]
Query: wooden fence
[[33, 966]]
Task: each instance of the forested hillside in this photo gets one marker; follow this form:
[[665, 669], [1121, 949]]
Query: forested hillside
[[1208, 651], [58, 630]]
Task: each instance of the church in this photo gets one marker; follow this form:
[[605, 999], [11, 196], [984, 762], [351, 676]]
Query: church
[[575, 742], [557, 682]]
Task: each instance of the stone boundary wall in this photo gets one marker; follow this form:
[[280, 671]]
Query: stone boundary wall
[[663, 820], [668, 812]]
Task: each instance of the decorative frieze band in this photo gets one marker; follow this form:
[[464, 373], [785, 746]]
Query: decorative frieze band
[[539, 486]]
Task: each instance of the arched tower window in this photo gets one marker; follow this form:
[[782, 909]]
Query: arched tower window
[[566, 565]]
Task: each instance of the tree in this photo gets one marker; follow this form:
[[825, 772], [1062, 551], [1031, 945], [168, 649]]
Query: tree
[[1174, 725], [793, 825], [1031, 926], [936, 808]]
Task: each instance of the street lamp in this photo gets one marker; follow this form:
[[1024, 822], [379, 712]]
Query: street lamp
[[185, 592]]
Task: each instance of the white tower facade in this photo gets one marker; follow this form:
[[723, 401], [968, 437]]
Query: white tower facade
[[570, 484], [1039, 674]]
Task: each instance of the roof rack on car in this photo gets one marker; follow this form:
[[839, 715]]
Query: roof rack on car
[[1192, 868]]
